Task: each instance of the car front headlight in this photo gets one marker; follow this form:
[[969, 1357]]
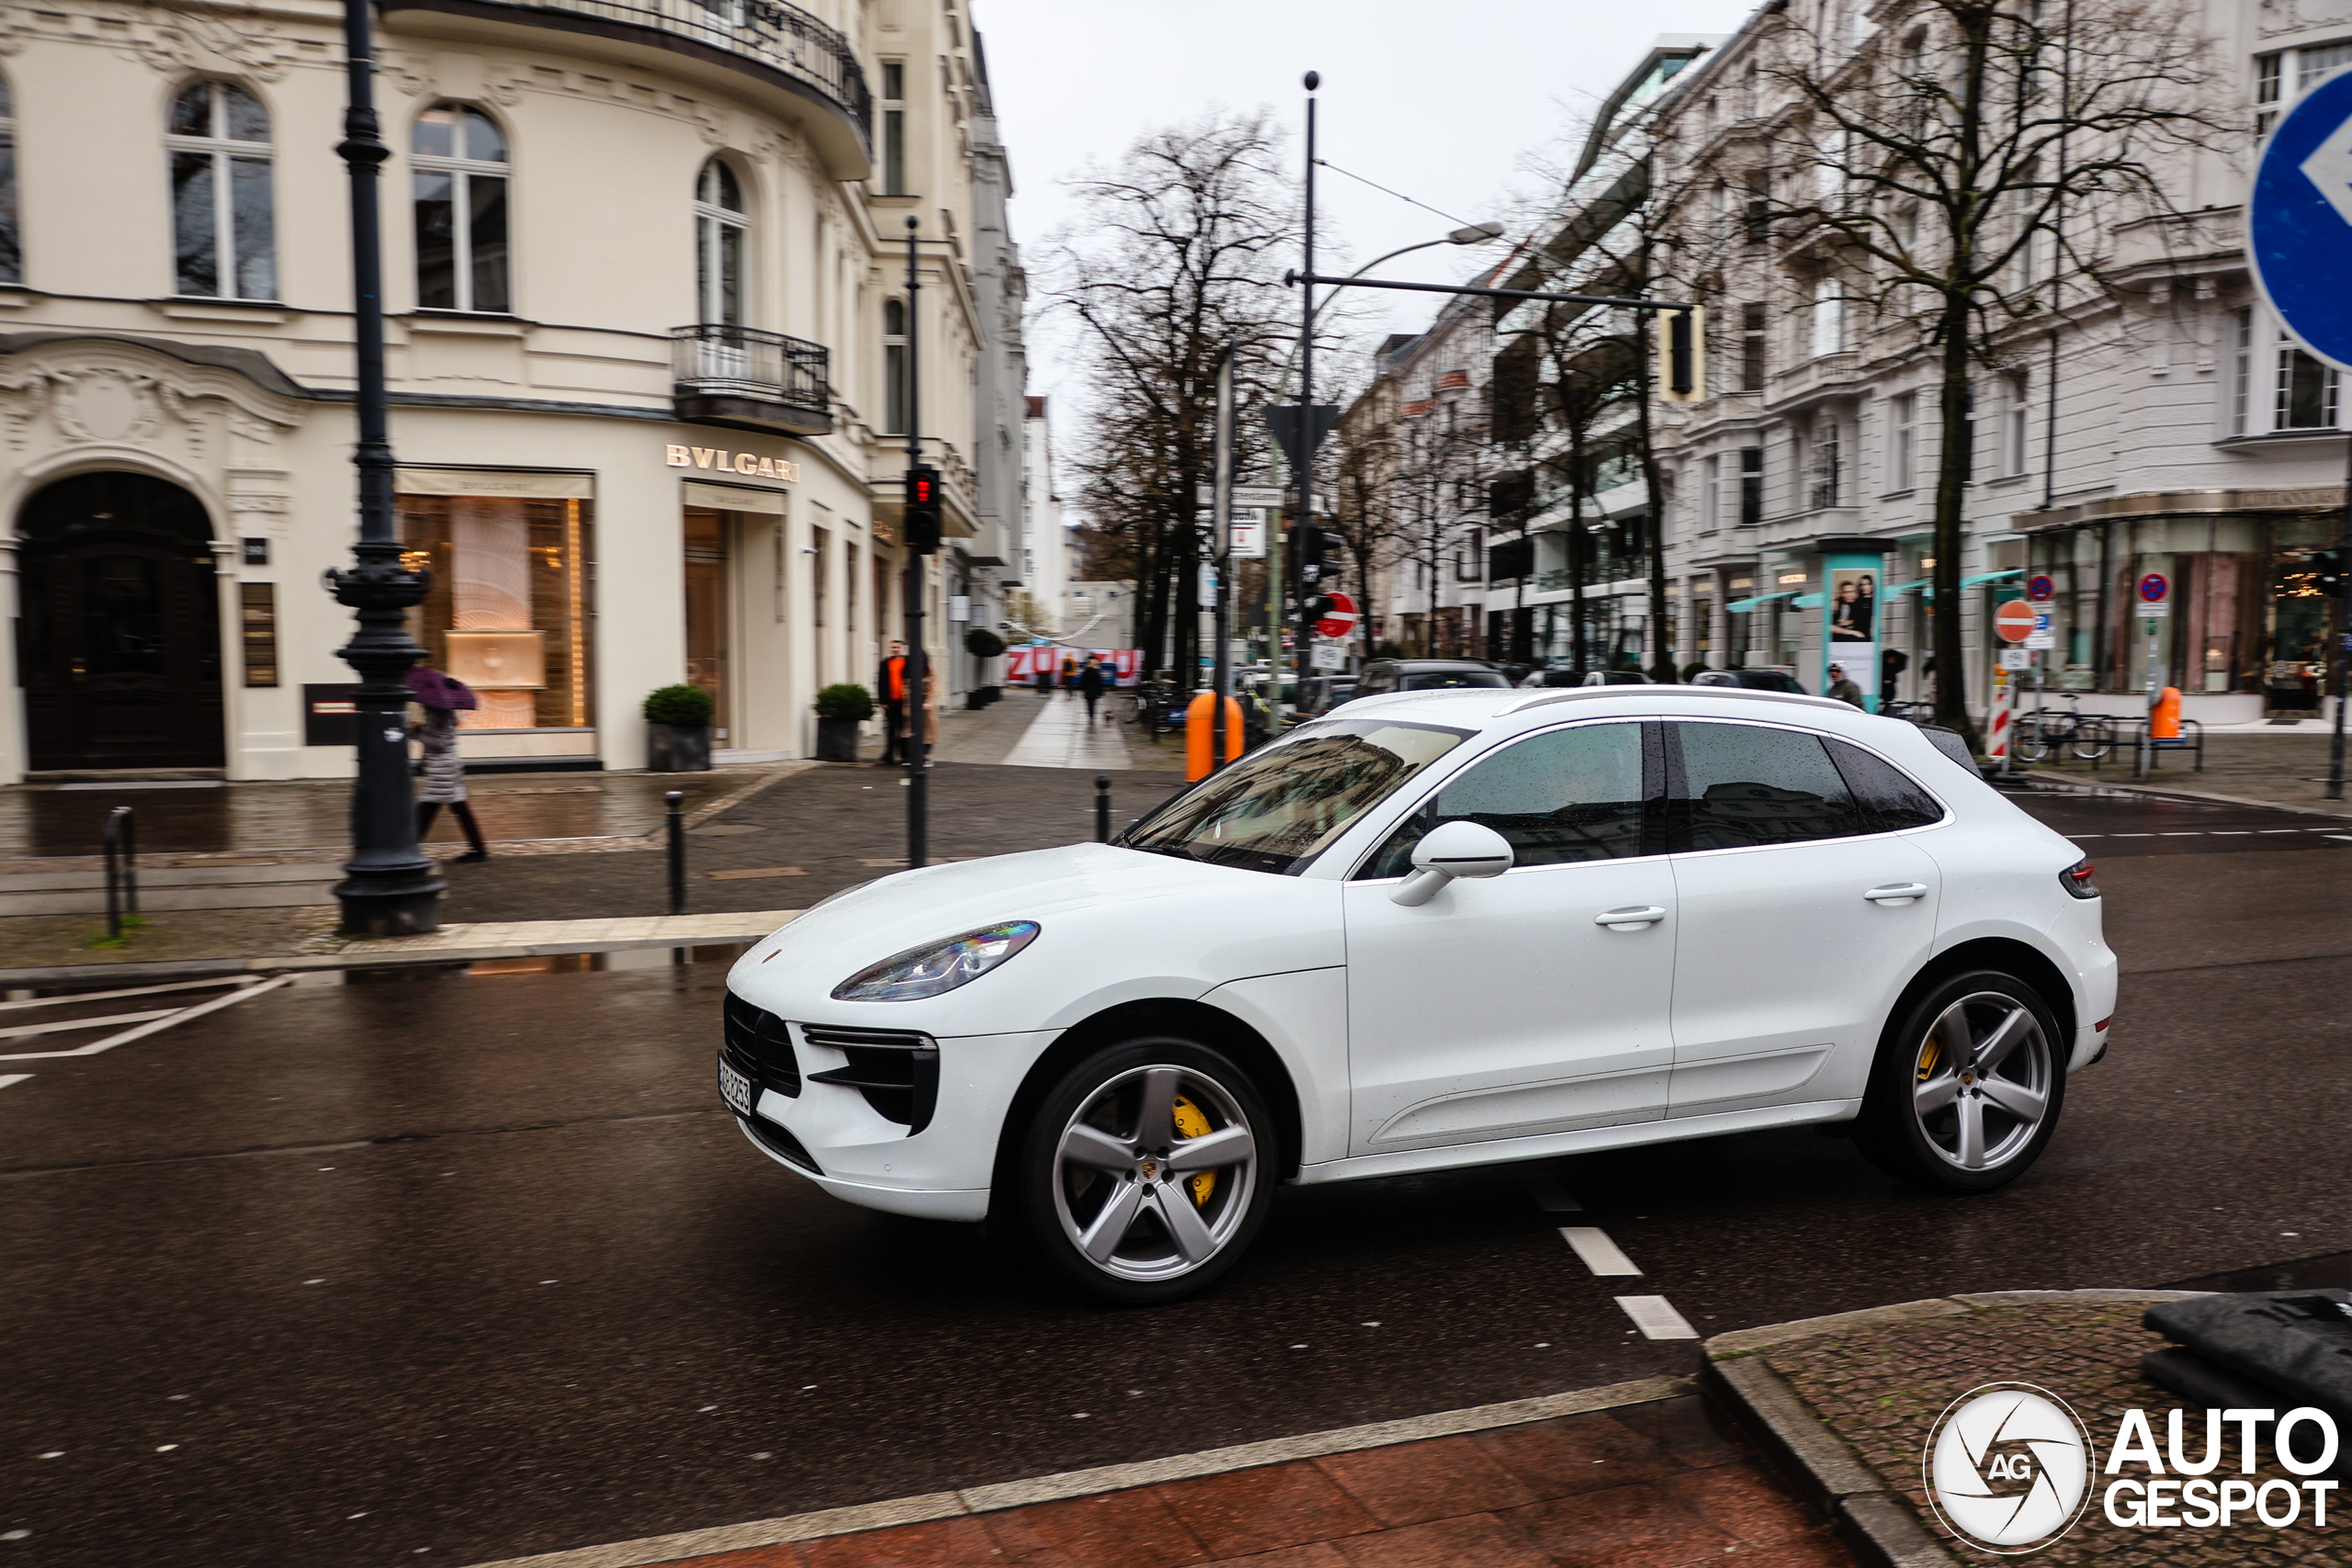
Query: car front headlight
[[939, 966]]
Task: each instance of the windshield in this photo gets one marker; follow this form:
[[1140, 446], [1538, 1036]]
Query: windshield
[[1439, 680], [1277, 807]]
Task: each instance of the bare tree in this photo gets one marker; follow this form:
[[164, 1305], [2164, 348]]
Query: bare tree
[[1968, 167], [1179, 248]]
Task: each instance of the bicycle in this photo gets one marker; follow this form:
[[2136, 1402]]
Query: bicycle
[[2090, 736], [1918, 713]]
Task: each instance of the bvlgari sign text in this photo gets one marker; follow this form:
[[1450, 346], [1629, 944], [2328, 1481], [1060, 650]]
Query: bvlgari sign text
[[721, 460]]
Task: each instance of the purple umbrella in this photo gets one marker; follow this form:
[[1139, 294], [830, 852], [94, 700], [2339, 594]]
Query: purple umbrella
[[435, 690]]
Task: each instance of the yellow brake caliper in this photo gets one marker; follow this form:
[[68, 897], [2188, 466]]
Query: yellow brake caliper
[[1191, 1123], [1930, 1052]]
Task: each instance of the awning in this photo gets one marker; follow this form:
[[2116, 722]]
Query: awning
[[1742, 606], [1991, 575], [1807, 602]]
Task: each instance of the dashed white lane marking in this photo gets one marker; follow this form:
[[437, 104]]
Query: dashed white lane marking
[[2342, 838], [2191, 833], [1600, 1254], [144, 1030], [7, 1079], [1656, 1318], [1551, 1194]]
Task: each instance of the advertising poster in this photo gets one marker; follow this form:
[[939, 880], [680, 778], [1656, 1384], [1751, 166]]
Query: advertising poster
[[1849, 630]]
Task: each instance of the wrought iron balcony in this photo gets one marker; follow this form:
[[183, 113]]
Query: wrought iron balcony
[[748, 380], [767, 39]]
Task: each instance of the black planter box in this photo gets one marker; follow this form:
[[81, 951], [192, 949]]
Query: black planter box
[[678, 748], [837, 739]]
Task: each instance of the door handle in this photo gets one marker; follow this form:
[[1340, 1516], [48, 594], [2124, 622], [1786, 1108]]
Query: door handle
[[1897, 893], [1629, 919]]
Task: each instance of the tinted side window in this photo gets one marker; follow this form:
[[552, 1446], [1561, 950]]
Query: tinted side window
[[1570, 794], [1886, 790], [1743, 784]]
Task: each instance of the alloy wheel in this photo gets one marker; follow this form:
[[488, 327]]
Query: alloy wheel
[[1154, 1174], [1982, 1081]]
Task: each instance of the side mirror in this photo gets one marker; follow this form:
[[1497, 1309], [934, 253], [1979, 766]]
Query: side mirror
[[1448, 851]]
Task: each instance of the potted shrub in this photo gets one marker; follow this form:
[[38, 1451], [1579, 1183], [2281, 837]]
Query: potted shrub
[[839, 710], [982, 643], [677, 729]]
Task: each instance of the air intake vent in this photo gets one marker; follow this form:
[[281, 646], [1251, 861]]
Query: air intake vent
[[896, 1070], [761, 1045]]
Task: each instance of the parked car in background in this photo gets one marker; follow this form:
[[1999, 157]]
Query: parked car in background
[[1383, 676], [1320, 693], [1616, 678], [1751, 680]]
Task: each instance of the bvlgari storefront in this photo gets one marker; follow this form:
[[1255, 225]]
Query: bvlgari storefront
[[2246, 630]]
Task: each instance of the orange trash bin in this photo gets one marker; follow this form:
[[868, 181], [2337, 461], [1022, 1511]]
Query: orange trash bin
[[1200, 724]]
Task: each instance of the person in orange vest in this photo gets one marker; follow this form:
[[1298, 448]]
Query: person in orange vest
[[890, 685]]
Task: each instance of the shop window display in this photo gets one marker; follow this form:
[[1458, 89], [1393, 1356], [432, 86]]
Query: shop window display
[[509, 608]]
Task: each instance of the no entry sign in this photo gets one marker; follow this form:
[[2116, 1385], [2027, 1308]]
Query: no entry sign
[[1339, 619], [2014, 620]]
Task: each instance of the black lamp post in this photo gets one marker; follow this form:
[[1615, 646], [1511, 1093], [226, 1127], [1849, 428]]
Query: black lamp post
[[389, 888], [916, 581]]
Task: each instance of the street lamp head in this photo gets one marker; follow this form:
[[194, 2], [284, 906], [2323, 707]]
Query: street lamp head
[[911, 223], [1475, 234], [1314, 79]]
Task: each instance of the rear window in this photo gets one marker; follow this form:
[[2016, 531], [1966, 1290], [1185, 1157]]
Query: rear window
[[1743, 785], [1886, 789]]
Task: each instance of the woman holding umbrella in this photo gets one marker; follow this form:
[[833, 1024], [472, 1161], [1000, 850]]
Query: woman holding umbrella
[[441, 696]]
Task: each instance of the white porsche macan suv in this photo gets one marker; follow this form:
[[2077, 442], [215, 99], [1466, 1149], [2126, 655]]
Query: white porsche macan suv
[[1430, 929]]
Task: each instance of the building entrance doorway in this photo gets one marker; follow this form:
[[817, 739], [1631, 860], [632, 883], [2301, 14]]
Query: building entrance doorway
[[118, 642], [706, 606]]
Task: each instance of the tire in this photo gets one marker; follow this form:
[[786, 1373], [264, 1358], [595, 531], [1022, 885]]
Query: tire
[[2093, 739], [1935, 1117], [2032, 743], [1089, 1154]]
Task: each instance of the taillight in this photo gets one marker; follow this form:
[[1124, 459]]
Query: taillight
[[2076, 879]]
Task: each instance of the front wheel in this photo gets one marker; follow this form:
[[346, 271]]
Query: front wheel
[[2093, 738], [2032, 743], [1148, 1169], [1966, 1092]]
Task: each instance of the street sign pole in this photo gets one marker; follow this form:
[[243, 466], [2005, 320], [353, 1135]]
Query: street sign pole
[[918, 708], [2342, 612]]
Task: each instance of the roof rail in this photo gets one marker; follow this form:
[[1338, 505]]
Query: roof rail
[[1740, 693]]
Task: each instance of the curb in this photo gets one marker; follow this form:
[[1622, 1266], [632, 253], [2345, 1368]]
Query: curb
[[1069, 1484], [2204, 797], [1876, 1525]]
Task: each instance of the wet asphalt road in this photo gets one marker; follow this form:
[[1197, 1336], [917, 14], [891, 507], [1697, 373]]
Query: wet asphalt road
[[475, 1265]]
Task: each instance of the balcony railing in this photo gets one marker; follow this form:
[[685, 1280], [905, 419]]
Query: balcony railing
[[744, 375], [781, 37]]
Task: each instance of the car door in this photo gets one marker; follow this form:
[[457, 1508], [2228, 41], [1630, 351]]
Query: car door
[[1504, 1007], [1803, 916]]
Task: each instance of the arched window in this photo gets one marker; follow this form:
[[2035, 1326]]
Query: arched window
[[894, 367], [12, 255], [224, 238], [457, 159], [720, 236]]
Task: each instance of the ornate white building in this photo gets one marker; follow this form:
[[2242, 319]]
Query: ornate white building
[[648, 343]]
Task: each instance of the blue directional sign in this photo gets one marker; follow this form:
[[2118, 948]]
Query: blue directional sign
[[2299, 221]]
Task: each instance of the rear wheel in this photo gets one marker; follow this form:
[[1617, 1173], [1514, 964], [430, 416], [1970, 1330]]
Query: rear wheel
[[2093, 739], [2032, 743], [1148, 1169], [1966, 1092]]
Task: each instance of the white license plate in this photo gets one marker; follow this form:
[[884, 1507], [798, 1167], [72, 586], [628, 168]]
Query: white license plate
[[735, 1089]]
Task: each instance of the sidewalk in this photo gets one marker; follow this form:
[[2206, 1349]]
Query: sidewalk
[[2248, 765], [1637, 1474], [1844, 1407]]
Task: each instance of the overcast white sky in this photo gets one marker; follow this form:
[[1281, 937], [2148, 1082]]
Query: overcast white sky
[[1439, 100]]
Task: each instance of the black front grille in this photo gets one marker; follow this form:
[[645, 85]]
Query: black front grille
[[762, 1045], [896, 1070]]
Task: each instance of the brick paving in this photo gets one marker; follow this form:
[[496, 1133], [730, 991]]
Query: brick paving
[[1645, 1487], [1881, 1390]]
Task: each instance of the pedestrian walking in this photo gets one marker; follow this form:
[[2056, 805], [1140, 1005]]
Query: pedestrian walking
[[1842, 689], [443, 697], [1089, 685], [890, 685]]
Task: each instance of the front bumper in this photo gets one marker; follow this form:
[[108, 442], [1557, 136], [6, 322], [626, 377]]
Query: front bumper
[[819, 1107]]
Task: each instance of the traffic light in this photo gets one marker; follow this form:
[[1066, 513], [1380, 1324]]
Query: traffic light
[[1678, 371], [923, 527], [1311, 549], [2327, 573]]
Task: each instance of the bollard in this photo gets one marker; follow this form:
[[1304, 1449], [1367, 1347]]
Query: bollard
[[676, 800], [110, 845], [129, 859], [1101, 808], [1200, 718]]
